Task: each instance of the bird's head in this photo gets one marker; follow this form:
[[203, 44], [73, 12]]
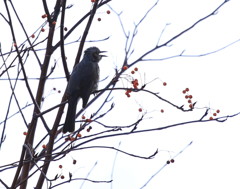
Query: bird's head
[[94, 54]]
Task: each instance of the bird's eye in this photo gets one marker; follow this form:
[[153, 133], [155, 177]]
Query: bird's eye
[[95, 55]]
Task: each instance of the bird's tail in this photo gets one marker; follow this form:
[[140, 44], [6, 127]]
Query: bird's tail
[[69, 125]]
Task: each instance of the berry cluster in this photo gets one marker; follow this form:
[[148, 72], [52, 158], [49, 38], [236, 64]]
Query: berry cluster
[[135, 86], [89, 120], [70, 138], [108, 12], [170, 161], [61, 167], [62, 176], [134, 82], [127, 93], [135, 70], [45, 16], [215, 114], [188, 97]]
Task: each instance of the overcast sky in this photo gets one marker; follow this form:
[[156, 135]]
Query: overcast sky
[[212, 160]]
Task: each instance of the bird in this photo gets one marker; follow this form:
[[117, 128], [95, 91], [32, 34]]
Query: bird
[[82, 82]]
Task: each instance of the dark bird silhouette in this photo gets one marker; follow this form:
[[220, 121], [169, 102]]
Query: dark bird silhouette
[[83, 81]]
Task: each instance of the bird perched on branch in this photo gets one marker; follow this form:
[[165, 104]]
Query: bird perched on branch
[[83, 81]]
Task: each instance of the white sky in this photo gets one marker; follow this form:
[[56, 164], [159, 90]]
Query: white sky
[[212, 161]]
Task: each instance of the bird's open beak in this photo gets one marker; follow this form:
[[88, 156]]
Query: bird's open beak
[[102, 55]]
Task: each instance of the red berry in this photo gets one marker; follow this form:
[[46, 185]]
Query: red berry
[[135, 86], [44, 15], [162, 110], [214, 114], [140, 109], [132, 72], [88, 120], [128, 91], [25, 133], [168, 162], [218, 111], [183, 91], [191, 106], [135, 83], [79, 135], [60, 166], [99, 19], [189, 101], [108, 12], [32, 36], [164, 83], [125, 67], [172, 160], [186, 96], [187, 89], [83, 117], [136, 69], [190, 96], [44, 146], [89, 129], [42, 30], [74, 161], [62, 177], [211, 118]]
